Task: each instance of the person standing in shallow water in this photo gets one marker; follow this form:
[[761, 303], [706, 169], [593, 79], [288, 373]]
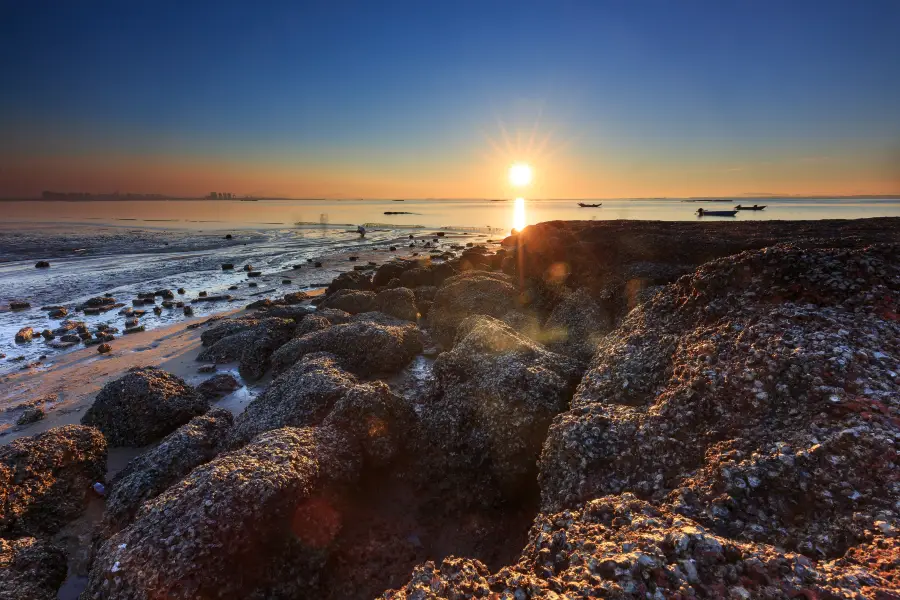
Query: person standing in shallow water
[[361, 231]]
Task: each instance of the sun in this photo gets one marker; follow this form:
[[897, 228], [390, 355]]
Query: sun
[[520, 174]]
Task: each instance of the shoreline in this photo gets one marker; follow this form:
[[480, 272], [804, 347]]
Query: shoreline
[[701, 392]]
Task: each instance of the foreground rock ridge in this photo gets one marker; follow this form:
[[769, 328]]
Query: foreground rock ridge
[[585, 410]]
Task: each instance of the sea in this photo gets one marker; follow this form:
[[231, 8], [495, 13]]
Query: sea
[[125, 247]]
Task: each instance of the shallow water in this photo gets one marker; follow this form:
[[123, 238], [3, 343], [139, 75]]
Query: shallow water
[[192, 264]]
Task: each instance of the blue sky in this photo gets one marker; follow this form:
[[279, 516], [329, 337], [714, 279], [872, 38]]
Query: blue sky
[[434, 99]]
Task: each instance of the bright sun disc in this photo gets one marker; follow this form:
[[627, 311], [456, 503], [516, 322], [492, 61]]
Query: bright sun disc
[[520, 174]]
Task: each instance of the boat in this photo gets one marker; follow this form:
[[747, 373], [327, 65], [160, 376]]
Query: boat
[[398, 200], [715, 213], [583, 205], [754, 207]]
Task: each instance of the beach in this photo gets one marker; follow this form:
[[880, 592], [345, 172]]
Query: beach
[[438, 419]]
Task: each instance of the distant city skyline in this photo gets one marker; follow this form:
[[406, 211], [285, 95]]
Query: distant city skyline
[[418, 100]]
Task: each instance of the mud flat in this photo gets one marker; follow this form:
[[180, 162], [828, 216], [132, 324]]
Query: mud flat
[[612, 409]]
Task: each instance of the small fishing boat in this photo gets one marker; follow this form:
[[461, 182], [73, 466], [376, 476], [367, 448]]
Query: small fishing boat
[[583, 205], [715, 213], [754, 207]]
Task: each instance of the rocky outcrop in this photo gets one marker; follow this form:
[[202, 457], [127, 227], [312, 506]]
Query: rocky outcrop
[[143, 406], [153, 472], [45, 479], [363, 347], [217, 386], [397, 302], [576, 325], [467, 294], [351, 280], [495, 395], [315, 322], [617, 260], [303, 395], [250, 342], [350, 301], [429, 274], [621, 547], [253, 523], [30, 569], [382, 423], [758, 396]]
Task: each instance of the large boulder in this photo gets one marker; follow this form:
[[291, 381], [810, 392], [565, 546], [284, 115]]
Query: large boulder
[[467, 294], [150, 474], [227, 327], [351, 301], [392, 270], [495, 395], [621, 547], [250, 343], [254, 523], [30, 569], [303, 395], [143, 406], [364, 347], [351, 280], [758, 396], [429, 274], [397, 302], [576, 325], [46, 479], [383, 424]]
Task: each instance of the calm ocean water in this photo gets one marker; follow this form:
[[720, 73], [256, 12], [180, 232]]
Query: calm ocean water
[[273, 214]]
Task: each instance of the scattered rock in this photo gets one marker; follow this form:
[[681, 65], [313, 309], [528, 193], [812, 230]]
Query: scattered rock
[[301, 396], [31, 415], [45, 479], [576, 325], [24, 335], [218, 385], [351, 280], [19, 305], [104, 348], [363, 347], [264, 509], [496, 393], [467, 294], [42, 264], [397, 302], [193, 444], [349, 300], [30, 569], [252, 346], [143, 406]]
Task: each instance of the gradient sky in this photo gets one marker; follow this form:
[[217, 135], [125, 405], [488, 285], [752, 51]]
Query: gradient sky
[[436, 99]]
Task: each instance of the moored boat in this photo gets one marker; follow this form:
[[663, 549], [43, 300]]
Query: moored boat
[[583, 205], [715, 213], [754, 207]]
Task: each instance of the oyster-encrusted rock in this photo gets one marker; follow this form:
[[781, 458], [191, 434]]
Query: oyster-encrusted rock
[[759, 396], [151, 473], [374, 344], [144, 405], [496, 393], [467, 294], [254, 523], [45, 479]]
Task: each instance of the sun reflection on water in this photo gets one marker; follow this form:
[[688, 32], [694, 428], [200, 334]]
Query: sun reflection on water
[[519, 220]]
